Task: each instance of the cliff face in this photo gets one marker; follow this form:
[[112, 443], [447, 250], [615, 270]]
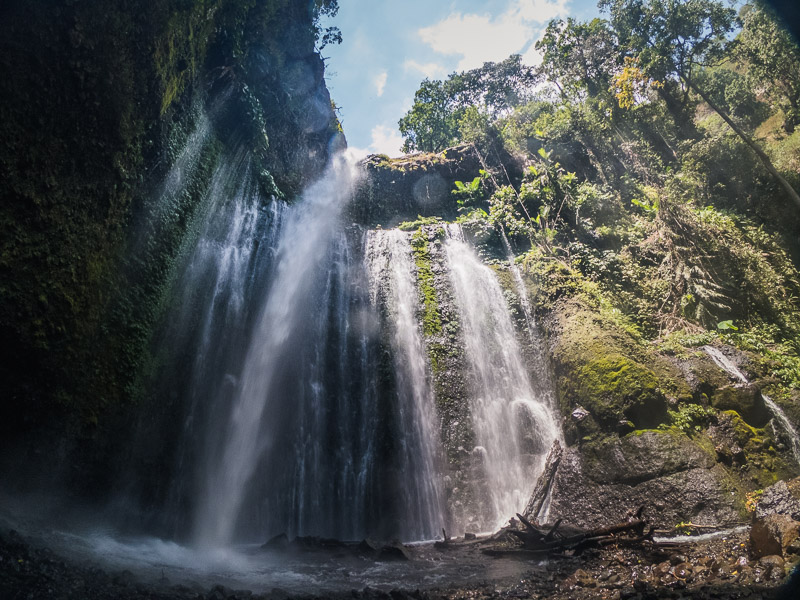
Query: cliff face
[[103, 112], [645, 421]]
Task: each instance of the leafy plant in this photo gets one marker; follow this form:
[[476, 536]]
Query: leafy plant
[[752, 499], [691, 418], [648, 207]]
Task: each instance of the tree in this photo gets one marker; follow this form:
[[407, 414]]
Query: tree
[[733, 91], [673, 40], [442, 108], [328, 35], [773, 60], [432, 123], [579, 58]]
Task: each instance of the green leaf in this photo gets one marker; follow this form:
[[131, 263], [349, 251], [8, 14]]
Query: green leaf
[[727, 325]]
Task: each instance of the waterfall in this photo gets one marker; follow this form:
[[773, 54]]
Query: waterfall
[[514, 426], [724, 363], [299, 353], [279, 341], [393, 284], [543, 386], [290, 310]]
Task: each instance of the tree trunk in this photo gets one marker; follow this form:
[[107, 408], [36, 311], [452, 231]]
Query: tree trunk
[[542, 488], [747, 140]]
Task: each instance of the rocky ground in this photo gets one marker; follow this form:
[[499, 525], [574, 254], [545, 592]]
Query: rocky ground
[[717, 568]]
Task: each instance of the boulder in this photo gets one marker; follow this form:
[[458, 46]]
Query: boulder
[[278, 542], [782, 498], [671, 476], [402, 189], [393, 552], [745, 400], [772, 535], [368, 547]]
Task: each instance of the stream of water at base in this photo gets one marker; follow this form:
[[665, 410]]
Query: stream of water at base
[[724, 363]]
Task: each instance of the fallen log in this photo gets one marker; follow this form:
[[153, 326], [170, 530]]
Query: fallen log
[[537, 539], [542, 488]]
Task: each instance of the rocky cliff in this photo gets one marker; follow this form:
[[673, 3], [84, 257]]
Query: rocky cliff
[[112, 123]]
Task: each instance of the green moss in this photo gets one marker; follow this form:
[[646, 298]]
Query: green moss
[[431, 322], [96, 105], [614, 386], [764, 466], [419, 222]]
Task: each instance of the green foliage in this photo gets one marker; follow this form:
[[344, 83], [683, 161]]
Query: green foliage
[[579, 58], [546, 196], [420, 222], [727, 326], [647, 207], [328, 35], [431, 125], [772, 58], [469, 195], [691, 418], [672, 37], [733, 92], [463, 107]]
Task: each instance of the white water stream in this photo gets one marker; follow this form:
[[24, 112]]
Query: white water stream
[[309, 230], [724, 363], [514, 427], [393, 282]]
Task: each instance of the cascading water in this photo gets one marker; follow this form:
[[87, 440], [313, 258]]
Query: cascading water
[[543, 386], [393, 285], [310, 261], [724, 363], [514, 427], [212, 322], [292, 424]]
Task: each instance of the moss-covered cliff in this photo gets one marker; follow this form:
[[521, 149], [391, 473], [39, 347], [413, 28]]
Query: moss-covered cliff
[[102, 110], [648, 417]]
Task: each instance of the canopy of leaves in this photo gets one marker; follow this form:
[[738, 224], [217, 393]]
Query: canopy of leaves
[[773, 59], [579, 58], [437, 118], [672, 37]]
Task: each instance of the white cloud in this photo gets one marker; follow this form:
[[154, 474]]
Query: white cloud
[[380, 83], [358, 153], [430, 70], [386, 140], [532, 56], [539, 11], [481, 38]]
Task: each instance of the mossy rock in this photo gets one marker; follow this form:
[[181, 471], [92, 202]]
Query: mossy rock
[[748, 452], [603, 368], [413, 187], [643, 455], [745, 400], [614, 388]]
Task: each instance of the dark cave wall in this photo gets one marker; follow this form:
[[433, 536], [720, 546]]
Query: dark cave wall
[[98, 103]]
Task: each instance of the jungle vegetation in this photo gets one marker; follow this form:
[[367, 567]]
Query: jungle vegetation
[[661, 158]]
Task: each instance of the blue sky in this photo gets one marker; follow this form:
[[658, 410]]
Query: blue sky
[[390, 46]]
